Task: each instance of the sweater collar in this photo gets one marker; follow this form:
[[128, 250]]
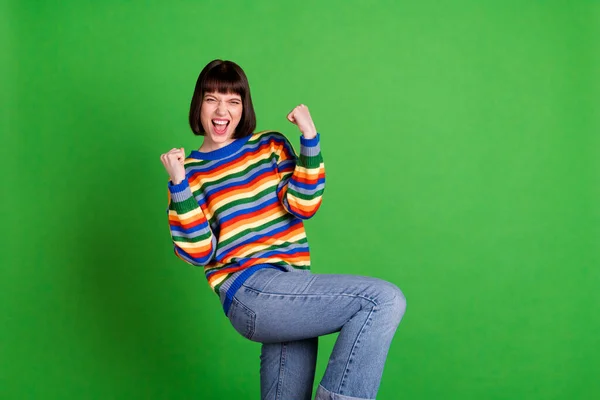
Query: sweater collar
[[223, 152]]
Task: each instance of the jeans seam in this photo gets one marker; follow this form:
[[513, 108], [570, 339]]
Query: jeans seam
[[309, 283], [265, 283], [281, 371], [250, 320], [354, 347], [258, 292]]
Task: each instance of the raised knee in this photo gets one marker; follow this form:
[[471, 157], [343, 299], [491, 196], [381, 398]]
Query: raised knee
[[399, 305], [392, 298]]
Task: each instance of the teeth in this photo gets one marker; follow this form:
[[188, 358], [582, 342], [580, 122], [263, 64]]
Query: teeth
[[220, 122]]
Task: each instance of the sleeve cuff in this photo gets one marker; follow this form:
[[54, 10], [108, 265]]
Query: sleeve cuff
[[310, 142], [181, 191]]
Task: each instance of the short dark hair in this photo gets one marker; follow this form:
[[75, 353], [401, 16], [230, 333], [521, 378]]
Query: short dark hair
[[223, 77]]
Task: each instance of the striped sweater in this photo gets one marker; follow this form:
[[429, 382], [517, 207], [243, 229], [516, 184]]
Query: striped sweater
[[241, 208]]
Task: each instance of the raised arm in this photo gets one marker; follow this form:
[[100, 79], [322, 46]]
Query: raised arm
[[192, 237], [302, 177]]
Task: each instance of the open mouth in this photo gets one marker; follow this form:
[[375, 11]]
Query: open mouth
[[220, 125]]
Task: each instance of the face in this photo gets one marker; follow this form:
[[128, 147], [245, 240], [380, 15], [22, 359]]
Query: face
[[220, 114]]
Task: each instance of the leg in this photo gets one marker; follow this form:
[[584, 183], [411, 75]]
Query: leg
[[289, 306], [287, 370], [358, 357]]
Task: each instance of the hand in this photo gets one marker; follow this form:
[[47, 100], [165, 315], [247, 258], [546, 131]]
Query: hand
[[301, 117], [173, 162]]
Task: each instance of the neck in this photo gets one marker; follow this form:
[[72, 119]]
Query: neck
[[209, 145]]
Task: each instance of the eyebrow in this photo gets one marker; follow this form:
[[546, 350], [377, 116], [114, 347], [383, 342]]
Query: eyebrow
[[237, 96]]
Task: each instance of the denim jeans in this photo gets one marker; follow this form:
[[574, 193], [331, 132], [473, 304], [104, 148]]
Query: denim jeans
[[288, 311]]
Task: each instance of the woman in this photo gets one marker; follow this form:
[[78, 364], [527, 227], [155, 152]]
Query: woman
[[236, 207]]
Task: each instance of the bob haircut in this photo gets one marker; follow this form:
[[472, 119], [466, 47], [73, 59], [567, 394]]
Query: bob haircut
[[223, 77]]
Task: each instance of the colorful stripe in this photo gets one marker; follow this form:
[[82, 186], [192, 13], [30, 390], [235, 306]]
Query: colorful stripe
[[242, 206]]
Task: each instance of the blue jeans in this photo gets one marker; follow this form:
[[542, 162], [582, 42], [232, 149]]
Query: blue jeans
[[288, 311]]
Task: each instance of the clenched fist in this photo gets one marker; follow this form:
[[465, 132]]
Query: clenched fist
[[173, 162], [301, 117]]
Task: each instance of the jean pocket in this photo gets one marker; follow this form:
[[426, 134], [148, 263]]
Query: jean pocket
[[260, 280], [242, 318]]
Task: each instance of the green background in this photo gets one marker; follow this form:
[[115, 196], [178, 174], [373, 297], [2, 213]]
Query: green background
[[461, 141]]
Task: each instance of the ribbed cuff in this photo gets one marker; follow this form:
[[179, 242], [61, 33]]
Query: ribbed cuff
[[182, 198], [310, 142], [310, 152]]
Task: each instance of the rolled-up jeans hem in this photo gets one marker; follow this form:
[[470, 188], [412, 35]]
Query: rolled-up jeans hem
[[324, 394]]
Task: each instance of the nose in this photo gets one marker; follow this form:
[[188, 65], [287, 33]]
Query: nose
[[221, 108]]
